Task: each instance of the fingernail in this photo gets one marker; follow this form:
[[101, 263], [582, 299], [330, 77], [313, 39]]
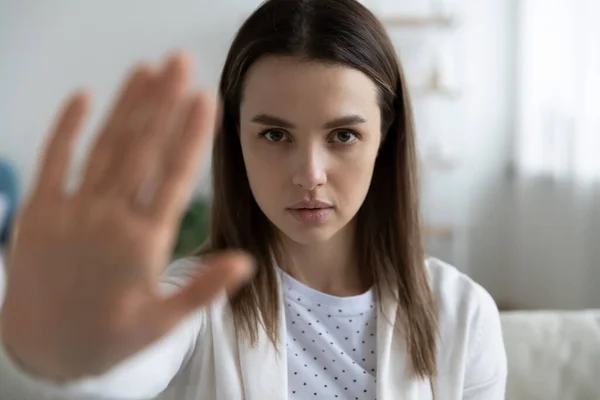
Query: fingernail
[[175, 61], [243, 258]]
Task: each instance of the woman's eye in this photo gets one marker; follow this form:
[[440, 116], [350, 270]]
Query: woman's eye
[[344, 137], [274, 136]]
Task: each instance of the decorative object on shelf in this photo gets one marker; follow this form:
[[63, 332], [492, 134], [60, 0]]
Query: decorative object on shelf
[[9, 197], [435, 15], [440, 232], [436, 86], [440, 77], [432, 90]]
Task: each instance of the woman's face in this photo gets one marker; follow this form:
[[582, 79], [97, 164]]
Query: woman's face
[[310, 133]]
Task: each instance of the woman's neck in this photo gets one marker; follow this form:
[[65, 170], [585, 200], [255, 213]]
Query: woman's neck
[[330, 267]]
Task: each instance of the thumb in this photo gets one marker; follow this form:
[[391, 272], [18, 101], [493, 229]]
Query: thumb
[[226, 271]]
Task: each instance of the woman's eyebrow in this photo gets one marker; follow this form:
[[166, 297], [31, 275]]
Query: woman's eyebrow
[[266, 119]]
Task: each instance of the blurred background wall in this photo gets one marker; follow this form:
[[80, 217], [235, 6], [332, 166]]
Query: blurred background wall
[[510, 171]]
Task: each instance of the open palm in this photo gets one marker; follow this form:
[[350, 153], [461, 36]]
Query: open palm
[[84, 266]]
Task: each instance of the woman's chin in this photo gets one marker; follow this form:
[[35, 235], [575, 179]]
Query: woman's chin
[[309, 236], [312, 234]]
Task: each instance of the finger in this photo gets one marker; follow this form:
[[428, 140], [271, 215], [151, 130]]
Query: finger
[[58, 150], [114, 134], [144, 150], [183, 159], [154, 176], [223, 273]]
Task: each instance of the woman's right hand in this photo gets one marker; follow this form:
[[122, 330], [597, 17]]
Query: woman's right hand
[[84, 266]]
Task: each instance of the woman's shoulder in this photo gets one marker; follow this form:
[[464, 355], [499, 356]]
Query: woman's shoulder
[[461, 301], [471, 341]]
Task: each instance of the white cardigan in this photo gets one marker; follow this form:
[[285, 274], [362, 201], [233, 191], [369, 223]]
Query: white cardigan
[[202, 358]]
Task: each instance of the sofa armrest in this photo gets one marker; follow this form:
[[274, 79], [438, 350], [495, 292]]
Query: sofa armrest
[[552, 354]]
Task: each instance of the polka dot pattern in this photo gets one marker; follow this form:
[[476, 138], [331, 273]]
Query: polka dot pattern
[[331, 343]]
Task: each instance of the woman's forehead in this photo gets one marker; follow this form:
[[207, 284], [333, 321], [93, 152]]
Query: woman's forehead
[[288, 85]]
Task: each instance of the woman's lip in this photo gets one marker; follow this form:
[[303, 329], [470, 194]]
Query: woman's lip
[[310, 204], [311, 215]]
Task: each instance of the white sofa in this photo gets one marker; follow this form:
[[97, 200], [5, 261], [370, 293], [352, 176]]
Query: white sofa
[[552, 355]]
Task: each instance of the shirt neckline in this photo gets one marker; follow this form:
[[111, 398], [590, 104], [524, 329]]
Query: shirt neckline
[[299, 292]]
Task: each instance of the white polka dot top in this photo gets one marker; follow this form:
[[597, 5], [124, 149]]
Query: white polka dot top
[[331, 343]]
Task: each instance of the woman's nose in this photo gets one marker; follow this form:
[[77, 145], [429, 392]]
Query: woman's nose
[[310, 171]]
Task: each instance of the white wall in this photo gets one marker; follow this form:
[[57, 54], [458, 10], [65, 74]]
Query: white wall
[[48, 48], [489, 93]]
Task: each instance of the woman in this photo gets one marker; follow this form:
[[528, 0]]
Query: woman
[[314, 168]]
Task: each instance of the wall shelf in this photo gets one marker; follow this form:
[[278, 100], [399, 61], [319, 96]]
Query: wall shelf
[[439, 232], [447, 92], [405, 21]]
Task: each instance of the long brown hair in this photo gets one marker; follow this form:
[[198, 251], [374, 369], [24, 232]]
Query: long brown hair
[[341, 32]]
